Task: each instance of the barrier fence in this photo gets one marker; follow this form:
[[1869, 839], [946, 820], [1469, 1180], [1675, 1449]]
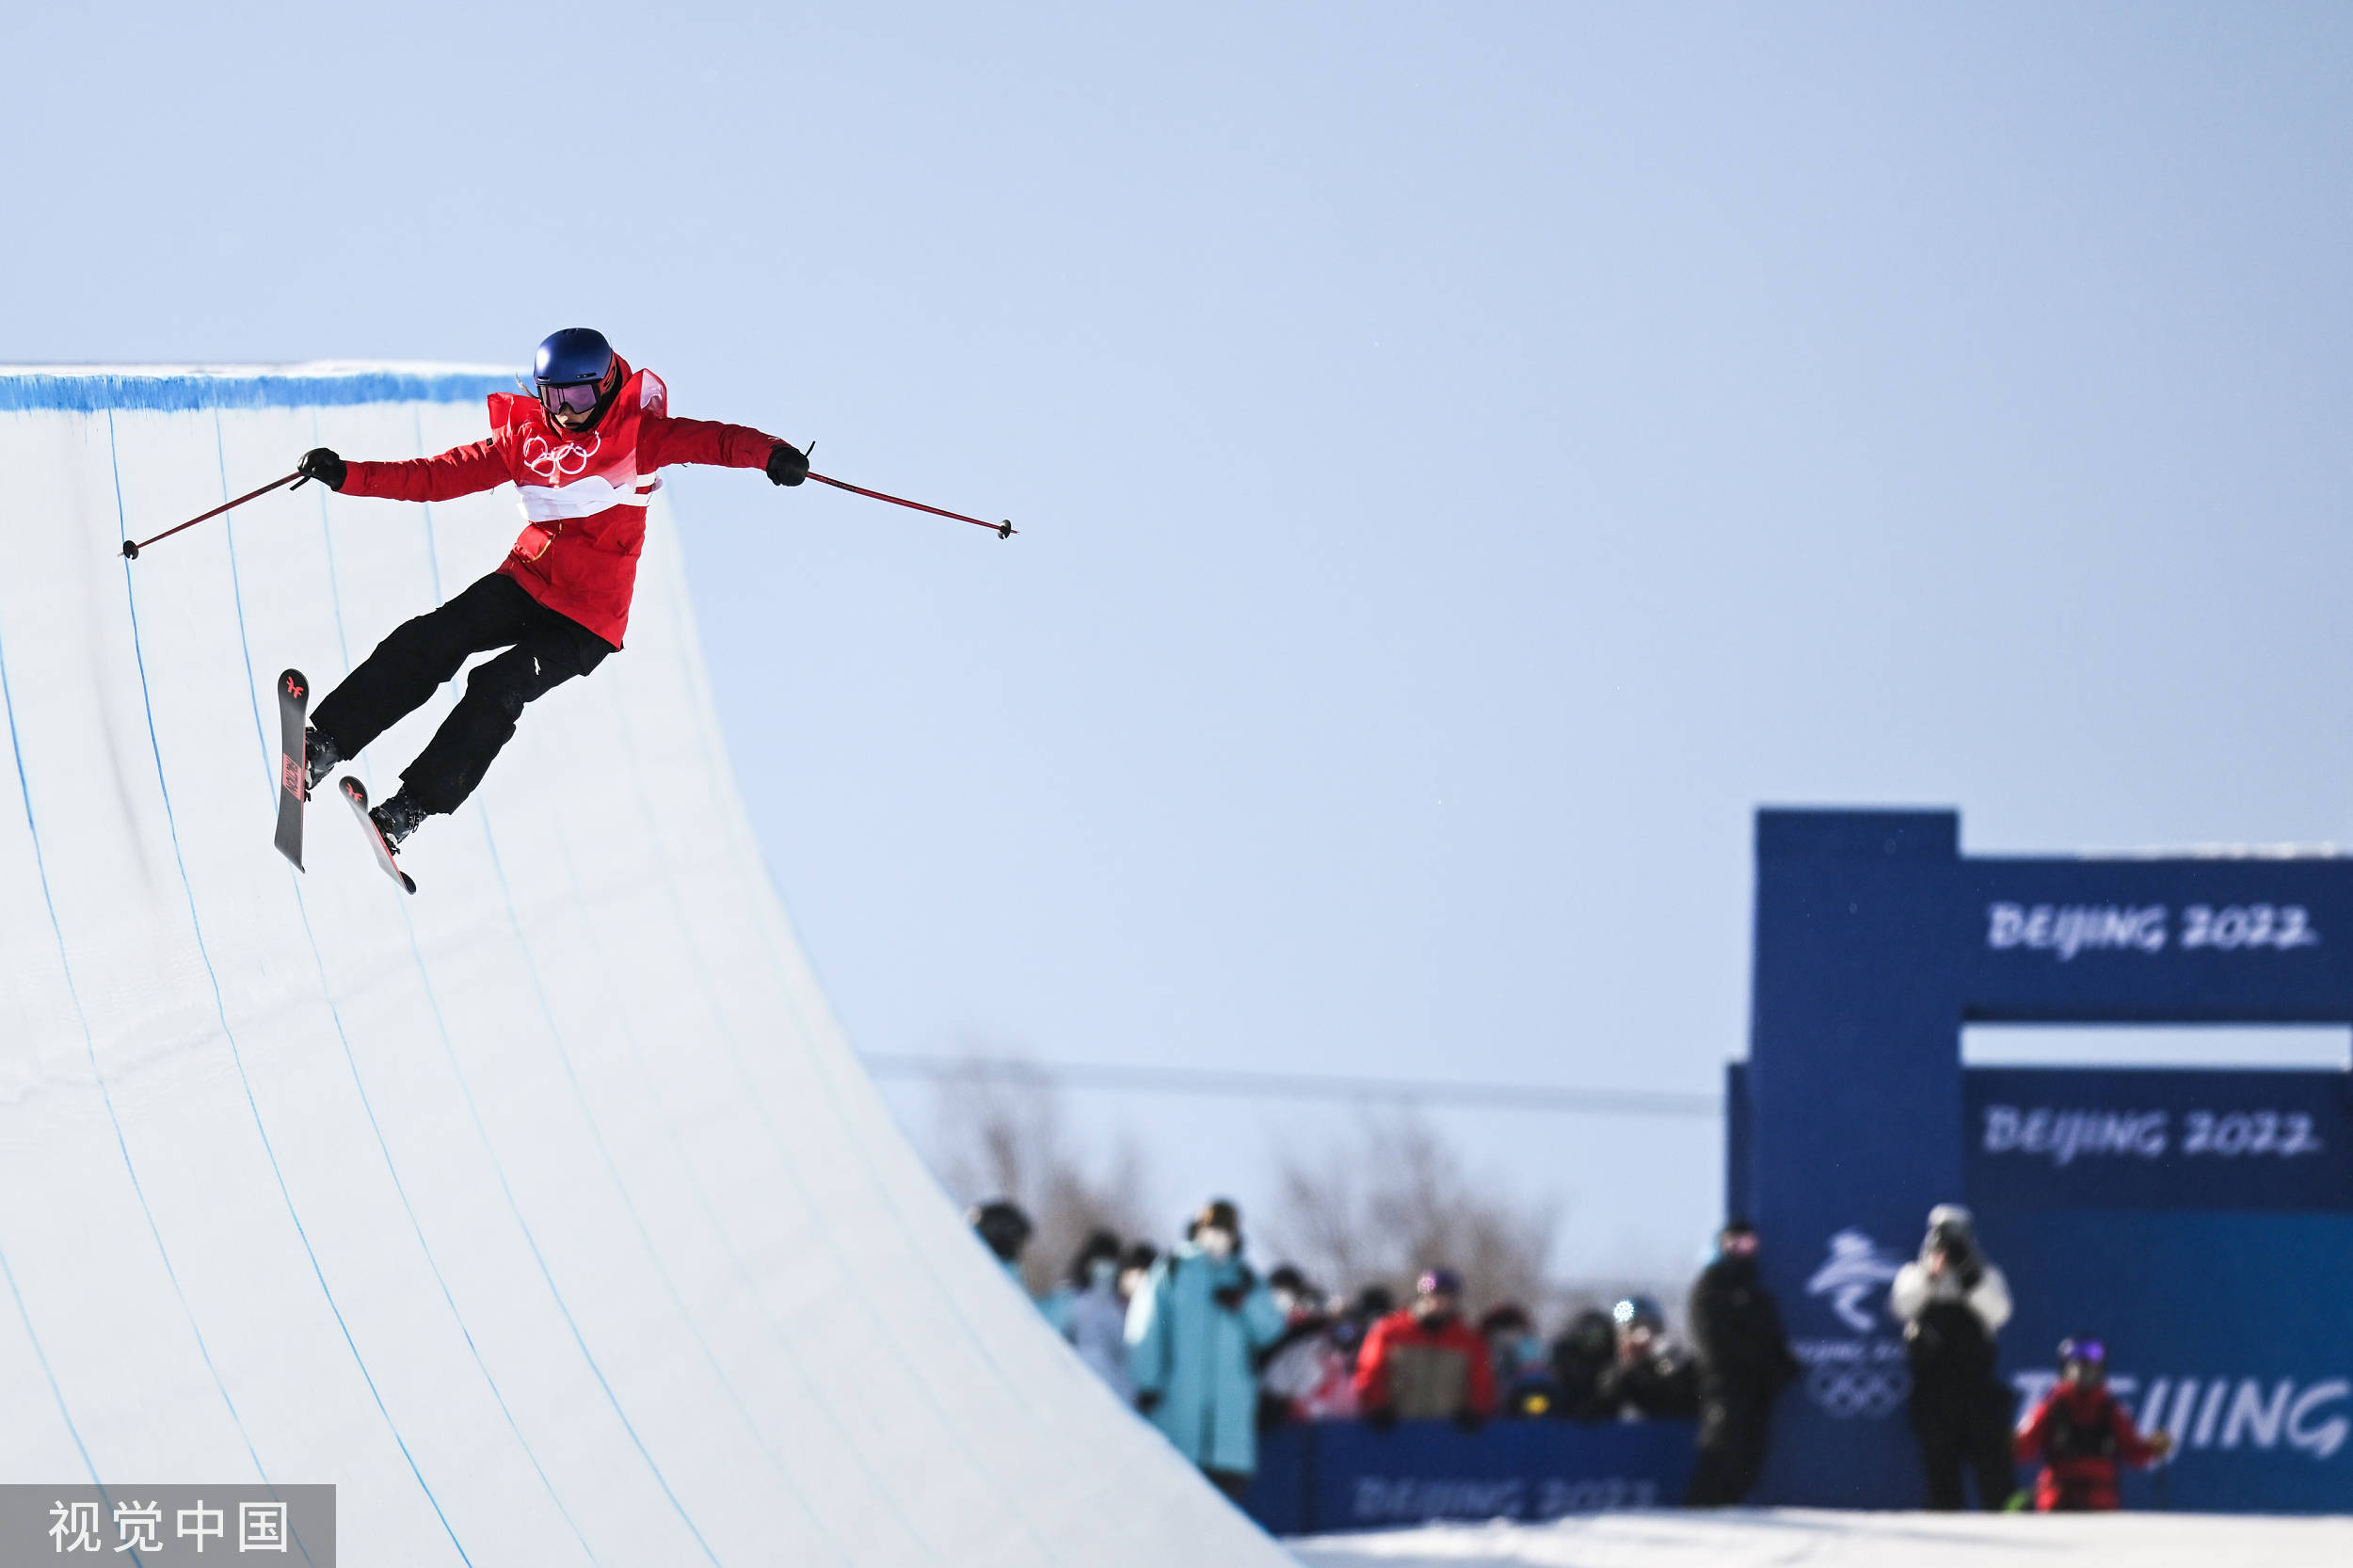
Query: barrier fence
[[1323, 1476]]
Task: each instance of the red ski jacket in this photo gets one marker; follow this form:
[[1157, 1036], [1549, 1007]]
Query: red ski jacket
[[2081, 1435], [1404, 1367], [584, 493]]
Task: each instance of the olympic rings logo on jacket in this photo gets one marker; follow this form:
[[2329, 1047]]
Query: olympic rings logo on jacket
[[556, 464]]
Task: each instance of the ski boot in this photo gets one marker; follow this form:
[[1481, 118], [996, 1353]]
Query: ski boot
[[397, 818], [319, 758]]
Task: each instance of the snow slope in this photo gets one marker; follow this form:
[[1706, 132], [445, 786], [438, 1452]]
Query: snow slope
[[1807, 1538], [546, 1213]]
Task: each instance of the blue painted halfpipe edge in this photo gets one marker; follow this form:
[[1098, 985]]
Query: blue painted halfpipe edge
[[39, 391]]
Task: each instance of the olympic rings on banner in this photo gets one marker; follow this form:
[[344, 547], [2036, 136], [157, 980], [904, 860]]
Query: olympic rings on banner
[[1847, 1390]]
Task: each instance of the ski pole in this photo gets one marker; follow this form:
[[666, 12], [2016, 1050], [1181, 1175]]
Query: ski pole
[[131, 549], [1002, 530]]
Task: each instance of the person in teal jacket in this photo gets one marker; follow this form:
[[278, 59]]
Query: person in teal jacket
[[1194, 1332]]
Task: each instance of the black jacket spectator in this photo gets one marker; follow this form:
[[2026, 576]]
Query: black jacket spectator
[[1579, 1356], [1660, 1384], [1744, 1364], [1651, 1378]]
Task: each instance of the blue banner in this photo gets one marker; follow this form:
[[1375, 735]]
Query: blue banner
[[2230, 1330], [1347, 1476], [2200, 1222], [2055, 1138], [2176, 941]]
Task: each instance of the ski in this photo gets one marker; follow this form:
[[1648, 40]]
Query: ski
[[294, 709], [357, 794]]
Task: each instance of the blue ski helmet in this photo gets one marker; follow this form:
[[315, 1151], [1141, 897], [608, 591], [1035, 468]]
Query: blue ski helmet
[[577, 374]]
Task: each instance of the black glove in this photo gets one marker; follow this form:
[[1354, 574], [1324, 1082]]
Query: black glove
[[787, 464], [1230, 1297], [1470, 1421], [1148, 1401], [1381, 1417], [320, 463]]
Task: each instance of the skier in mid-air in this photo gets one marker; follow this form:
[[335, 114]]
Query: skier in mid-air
[[585, 458]]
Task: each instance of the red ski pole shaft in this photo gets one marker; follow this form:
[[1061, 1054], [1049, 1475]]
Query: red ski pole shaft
[[131, 549], [1002, 530]]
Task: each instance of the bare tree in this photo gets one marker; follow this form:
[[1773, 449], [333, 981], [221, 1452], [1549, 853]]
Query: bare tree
[[1375, 1208], [999, 1135], [1397, 1199]]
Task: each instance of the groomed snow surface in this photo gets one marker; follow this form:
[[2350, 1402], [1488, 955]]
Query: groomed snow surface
[[1812, 1538]]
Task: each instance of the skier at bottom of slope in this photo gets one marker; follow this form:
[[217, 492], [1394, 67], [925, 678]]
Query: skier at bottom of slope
[[585, 458], [2082, 1435]]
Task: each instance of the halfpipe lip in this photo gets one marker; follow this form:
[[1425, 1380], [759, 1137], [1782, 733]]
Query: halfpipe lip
[[88, 389]]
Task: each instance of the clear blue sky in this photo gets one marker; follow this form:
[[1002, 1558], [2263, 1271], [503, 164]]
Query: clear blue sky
[[1468, 458]]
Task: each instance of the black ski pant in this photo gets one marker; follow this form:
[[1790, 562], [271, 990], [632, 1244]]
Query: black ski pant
[[544, 648], [1973, 1437], [1733, 1430]]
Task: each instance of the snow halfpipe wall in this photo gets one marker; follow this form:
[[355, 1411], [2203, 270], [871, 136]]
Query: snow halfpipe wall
[[547, 1214]]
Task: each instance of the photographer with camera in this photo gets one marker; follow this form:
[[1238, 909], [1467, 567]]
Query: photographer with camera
[[1952, 1302]]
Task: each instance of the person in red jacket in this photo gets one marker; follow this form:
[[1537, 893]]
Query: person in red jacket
[[2082, 1434], [585, 458], [1424, 1363]]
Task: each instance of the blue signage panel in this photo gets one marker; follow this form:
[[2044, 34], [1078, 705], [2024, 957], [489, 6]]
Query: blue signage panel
[[1875, 942], [1853, 1110], [2228, 1330], [2174, 941], [1349, 1476], [2069, 1138]]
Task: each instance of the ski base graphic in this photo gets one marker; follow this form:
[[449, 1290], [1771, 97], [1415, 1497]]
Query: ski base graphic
[[294, 708], [357, 794]]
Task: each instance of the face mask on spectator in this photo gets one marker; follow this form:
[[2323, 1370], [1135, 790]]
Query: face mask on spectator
[[1218, 1243], [1102, 1272], [1530, 1351], [1287, 1301]]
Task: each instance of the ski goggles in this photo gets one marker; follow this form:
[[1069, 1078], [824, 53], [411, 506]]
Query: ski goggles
[[571, 397], [2089, 1351]]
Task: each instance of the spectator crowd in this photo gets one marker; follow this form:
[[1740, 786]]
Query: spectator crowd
[[1214, 1354]]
